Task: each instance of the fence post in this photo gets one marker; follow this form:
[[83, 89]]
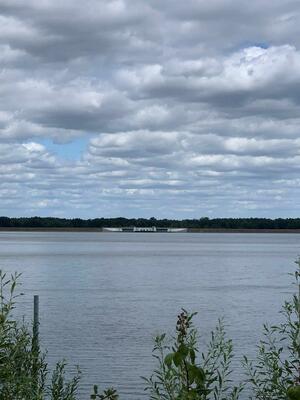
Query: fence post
[[35, 344], [35, 321]]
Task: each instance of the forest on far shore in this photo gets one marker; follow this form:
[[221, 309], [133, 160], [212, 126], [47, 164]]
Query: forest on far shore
[[201, 223]]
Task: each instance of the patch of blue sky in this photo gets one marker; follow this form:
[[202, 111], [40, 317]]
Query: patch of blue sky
[[262, 45], [68, 151], [247, 44]]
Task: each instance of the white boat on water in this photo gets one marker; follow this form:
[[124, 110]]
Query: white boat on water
[[145, 229]]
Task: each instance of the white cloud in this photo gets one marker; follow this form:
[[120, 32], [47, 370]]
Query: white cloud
[[171, 109]]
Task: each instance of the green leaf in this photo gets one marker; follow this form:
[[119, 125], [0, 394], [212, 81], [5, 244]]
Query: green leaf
[[294, 393], [199, 375], [168, 359], [183, 350], [178, 358], [193, 355]]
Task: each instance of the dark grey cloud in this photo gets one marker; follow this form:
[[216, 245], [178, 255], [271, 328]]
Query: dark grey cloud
[[61, 31], [171, 109]]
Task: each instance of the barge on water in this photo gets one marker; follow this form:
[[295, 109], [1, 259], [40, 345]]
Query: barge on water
[[139, 229]]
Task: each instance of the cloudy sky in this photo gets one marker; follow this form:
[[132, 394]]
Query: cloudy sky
[[141, 108]]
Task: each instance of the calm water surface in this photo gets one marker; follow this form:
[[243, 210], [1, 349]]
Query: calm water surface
[[103, 296]]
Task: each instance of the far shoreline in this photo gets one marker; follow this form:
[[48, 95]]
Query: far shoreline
[[189, 230]]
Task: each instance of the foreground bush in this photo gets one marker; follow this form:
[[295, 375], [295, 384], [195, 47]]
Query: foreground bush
[[275, 374], [182, 373], [179, 375], [24, 373]]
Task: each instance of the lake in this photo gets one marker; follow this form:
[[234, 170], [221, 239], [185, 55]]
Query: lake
[[104, 296]]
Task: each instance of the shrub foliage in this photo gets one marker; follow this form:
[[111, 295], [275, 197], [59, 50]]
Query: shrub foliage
[[182, 372]]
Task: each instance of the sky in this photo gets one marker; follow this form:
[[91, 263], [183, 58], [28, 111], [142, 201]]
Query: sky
[[150, 108]]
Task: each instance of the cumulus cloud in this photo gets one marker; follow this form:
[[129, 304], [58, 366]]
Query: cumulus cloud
[[168, 109]]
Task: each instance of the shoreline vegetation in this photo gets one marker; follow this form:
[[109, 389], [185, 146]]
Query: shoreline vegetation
[[204, 224], [189, 230], [182, 372]]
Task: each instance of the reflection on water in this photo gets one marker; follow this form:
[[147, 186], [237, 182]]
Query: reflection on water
[[103, 296]]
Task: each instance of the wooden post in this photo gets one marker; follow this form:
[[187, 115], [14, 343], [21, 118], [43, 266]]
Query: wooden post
[[35, 344], [35, 321]]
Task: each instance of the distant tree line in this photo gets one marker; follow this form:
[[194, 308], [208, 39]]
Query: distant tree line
[[202, 223]]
